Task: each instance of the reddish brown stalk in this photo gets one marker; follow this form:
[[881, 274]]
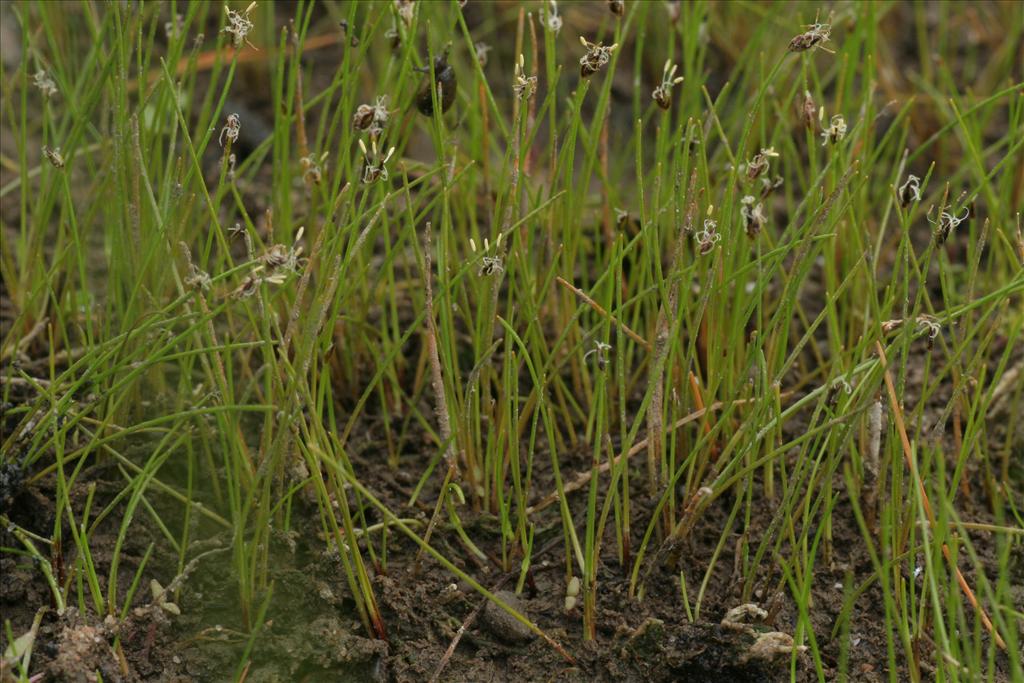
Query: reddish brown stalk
[[702, 343], [908, 451], [698, 400]]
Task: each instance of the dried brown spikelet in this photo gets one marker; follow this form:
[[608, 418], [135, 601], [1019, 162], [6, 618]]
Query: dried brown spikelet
[[815, 37], [597, 57]]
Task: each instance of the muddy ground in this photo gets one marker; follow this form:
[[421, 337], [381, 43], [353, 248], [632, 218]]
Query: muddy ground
[[312, 632]]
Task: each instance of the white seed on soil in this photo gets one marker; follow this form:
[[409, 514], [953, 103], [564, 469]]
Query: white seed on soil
[[572, 592]]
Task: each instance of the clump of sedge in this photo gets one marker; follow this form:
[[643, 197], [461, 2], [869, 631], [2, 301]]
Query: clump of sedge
[[597, 57]]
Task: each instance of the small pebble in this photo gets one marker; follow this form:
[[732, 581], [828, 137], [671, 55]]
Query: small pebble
[[502, 624]]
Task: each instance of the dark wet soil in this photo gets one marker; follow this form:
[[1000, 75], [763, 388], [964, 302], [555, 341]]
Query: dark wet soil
[[311, 630]]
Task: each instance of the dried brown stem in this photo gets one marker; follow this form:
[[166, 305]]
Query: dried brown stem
[[440, 399], [667, 313], [600, 310]]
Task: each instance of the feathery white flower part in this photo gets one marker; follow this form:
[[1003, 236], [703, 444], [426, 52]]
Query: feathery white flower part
[[597, 57], [239, 25], [836, 130], [947, 223], [45, 84], [708, 237], [230, 131], [600, 353], [524, 86], [552, 21], [374, 168], [663, 93], [910, 191]]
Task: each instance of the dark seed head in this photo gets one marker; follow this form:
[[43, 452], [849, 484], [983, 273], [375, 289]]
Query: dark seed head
[[363, 117], [802, 42]]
